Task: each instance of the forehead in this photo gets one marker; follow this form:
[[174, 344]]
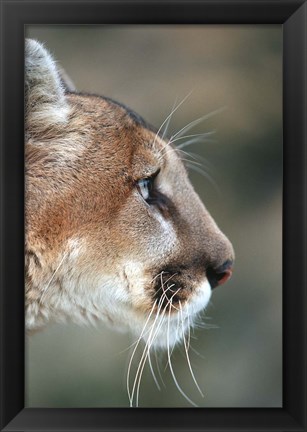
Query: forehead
[[115, 112], [134, 116], [147, 139], [122, 130], [150, 137]]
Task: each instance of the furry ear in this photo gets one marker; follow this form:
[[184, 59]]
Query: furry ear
[[46, 105], [67, 82]]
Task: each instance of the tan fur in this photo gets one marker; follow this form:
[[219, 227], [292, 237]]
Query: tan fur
[[94, 249]]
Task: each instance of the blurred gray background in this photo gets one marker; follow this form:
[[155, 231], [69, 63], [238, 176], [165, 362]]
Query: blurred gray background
[[239, 68]]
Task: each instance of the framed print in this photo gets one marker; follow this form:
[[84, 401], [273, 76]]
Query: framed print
[[153, 215], [119, 52]]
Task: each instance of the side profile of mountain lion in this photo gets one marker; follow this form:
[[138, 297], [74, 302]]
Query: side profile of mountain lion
[[114, 229]]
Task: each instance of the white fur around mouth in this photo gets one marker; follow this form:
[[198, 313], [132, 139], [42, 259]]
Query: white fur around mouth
[[163, 330], [186, 313]]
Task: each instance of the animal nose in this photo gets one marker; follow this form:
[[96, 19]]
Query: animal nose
[[219, 275]]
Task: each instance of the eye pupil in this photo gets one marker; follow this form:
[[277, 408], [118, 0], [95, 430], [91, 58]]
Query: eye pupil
[[145, 186]]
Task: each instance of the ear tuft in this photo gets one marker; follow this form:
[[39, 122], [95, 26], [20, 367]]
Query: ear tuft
[[45, 96]]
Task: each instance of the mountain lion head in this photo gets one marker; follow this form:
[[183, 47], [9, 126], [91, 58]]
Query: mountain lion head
[[114, 229]]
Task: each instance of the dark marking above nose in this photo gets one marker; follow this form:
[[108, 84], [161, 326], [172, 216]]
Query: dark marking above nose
[[220, 275]]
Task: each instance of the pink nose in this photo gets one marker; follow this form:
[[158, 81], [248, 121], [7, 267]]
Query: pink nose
[[224, 277], [220, 275]]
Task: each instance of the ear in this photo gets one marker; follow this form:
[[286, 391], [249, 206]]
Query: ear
[[46, 105], [66, 81]]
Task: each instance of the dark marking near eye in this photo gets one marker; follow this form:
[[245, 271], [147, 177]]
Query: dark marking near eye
[[163, 203]]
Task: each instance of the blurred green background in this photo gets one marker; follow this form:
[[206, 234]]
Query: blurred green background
[[148, 68]]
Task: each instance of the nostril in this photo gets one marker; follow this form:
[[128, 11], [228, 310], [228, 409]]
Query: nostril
[[224, 277], [218, 276]]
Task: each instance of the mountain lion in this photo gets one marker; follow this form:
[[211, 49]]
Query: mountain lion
[[114, 229]]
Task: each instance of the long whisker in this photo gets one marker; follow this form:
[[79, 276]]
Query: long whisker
[[200, 165], [169, 119], [143, 360], [187, 354], [142, 357], [142, 363], [149, 345], [196, 122], [198, 136], [170, 364], [170, 115], [168, 301], [197, 353], [191, 162], [163, 283], [159, 274], [199, 170], [153, 372], [135, 348], [189, 328], [146, 352], [182, 152], [174, 346], [169, 287], [193, 141], [199, 158]]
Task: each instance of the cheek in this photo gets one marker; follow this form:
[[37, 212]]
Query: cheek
[[147, 236], [165, 239]]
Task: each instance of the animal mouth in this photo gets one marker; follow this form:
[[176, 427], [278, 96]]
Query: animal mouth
[[172, 288]]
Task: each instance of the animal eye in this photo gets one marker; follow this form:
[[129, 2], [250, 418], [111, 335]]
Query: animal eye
[[145, 187]]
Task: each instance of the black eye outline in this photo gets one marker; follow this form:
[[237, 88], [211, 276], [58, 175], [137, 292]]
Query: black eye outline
[[145, 187]]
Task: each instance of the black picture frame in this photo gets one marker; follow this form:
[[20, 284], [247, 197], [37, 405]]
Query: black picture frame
[[292, 15]]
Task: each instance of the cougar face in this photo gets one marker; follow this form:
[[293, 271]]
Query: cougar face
[[114, 228]]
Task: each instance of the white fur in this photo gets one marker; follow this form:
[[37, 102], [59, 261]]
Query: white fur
[[200, 298], [197, 303], [169, 237]]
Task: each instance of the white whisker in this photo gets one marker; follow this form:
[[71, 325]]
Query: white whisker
[[195, 136], [153, 372], [151, 340], [208, 165], [189, 328], [168, 301], [169, 119], [170, 364], [196, 157], [148, 345], [197, 353], [196, 122], [191, 162], [135, 348], [172, 350], [194, 141], [159, 274], [187, 353], [170, 115], [144, 355], [199, 170], [167, 280], [146, 352]]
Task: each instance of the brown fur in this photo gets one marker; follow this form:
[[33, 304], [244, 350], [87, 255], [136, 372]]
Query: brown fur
[[83, 207]]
